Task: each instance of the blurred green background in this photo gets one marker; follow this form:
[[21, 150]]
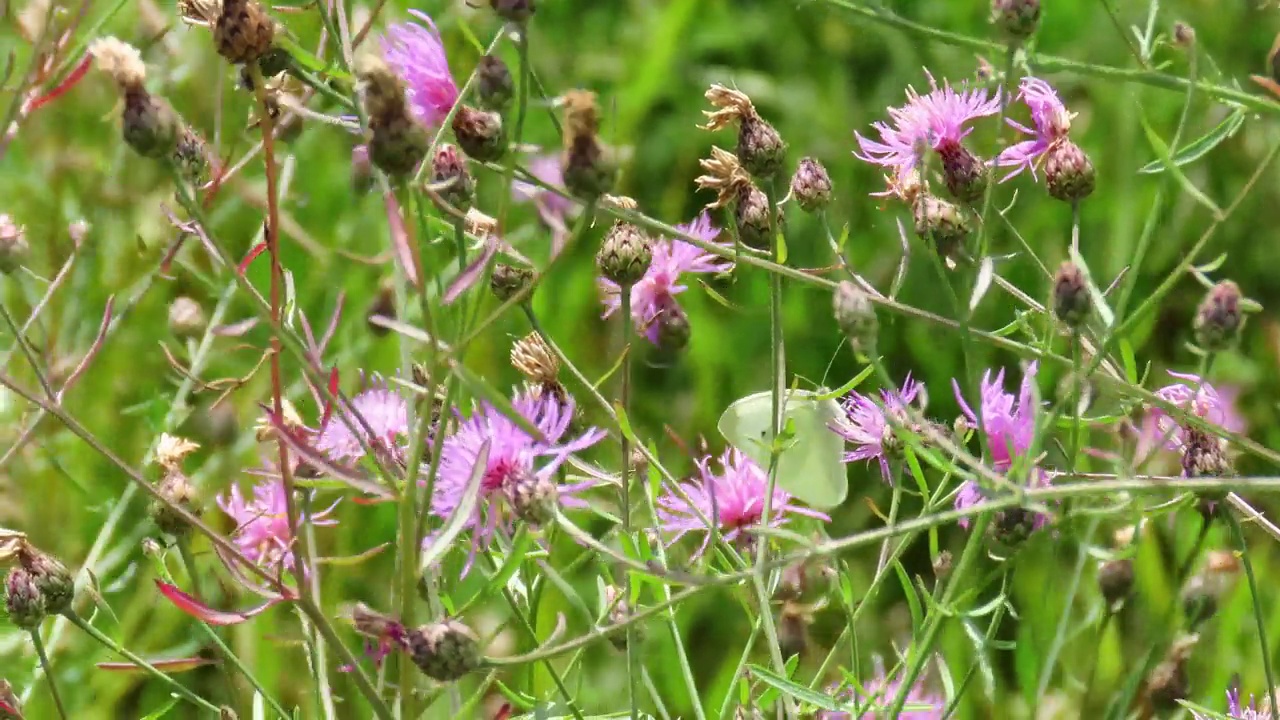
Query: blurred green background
[[818, 73]]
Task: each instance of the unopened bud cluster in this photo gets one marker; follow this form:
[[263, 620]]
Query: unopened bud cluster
[[1016, 19], [1071, 299], [243, 32], [398, 142], [451, 180], [480, 133], [445, 650], [38, 586], [508, 280], [811, 185], [1219, 317]]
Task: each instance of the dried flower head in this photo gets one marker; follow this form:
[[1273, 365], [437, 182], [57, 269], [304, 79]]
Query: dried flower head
[[178, 492], [585, 163], [150, 125], [508, 280], [724, 175], [480, 133], [943, 224], [534, 359], [186, 317], [171, 450], [200, 13], [120, 60], [760, 148], [264, 428]]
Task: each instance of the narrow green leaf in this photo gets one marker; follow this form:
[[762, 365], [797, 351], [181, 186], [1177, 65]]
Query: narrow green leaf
[[795, 690], [162, 711], [612, 369], [461, 514], [1201, 146], [511, 563], [1162, 151], [847, 387], [913, 600]]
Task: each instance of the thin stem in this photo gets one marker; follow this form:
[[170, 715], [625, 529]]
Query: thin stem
[[624, 493], [48, 672], [1259, 620], [1060, 635], [150, 669]]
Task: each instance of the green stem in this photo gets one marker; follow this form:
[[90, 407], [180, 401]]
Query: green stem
[[624, 493], [150, 669], [1259, 620], [48, 672]]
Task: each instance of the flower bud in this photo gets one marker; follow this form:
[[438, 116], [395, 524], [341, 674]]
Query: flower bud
[[397, 142], [1204, 455], [1218, 319], [516, 11], [186, 318], [1016, 19], [243, 32], [480, 134], [1115, 580], [674, 331], [1068, 172], [587, 165], [533, 498], [361, 170], [942, 566], [191, 156], [625, 254], [444, 651], [13, 244], [1199, 600], [1071, 300], [23, 600], [150, 124], [178, 492], [760, 148], [52, 579], [494, 86], [856, 316], [10, 705], [811, 185], [508, 280], [964, 174], [451, 180], [226, 713], [1012, 527], [535, 360], [1184, 36], [1169, 682], [941, 223], [751, 216]]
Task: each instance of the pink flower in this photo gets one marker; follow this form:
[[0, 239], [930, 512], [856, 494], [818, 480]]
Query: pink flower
[[656, 291], [416, 53], [386, 413], [1240, 712], [1208, 403], [733, 499], [1009, 424], [936, 120], [877, 697], [262, 524], [865, 423], [552, 208], [513, 454], [1051, 120]]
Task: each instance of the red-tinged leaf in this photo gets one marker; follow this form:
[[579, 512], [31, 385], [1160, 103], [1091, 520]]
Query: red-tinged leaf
[[361, 500], [504, 712], [254, 252], [9, 709], [405, 252], [190, 605], [236, 329], [470, 273], [72, 78], [173, 665], [333, 393]]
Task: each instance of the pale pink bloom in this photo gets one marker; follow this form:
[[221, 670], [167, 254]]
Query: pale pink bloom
[[1051, 120], [878, 694], [656, 291], [1236, 711], [262, 523], [934, 121], [417, 55], [552, 208], [867, 423], [732, 499], [1213, 405], [386, 413]]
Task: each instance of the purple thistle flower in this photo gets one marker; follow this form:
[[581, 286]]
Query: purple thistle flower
[[552, 208], [733, 499], [384, 410], [937, 120], [1051, 120], [866, 425], [262, 523], [1209, 403], [879, 692], [1009, 424], [513, 455], [656, 291], [417, 55], [1239, 712]]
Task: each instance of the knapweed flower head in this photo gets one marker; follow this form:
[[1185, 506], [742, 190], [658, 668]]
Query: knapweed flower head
[[879, 693], [868, 424], [514, 457], [262, 523], [379, 414], [655, 293], [1052, 122], [937, 120], [732, 499], [1194, 396], [417, 55], [1242, 712]]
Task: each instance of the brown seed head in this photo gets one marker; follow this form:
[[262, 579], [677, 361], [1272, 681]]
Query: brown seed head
[[243, 32], [724, 175], [731, 106], [581, 115], [119, 60], [534, 359]]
